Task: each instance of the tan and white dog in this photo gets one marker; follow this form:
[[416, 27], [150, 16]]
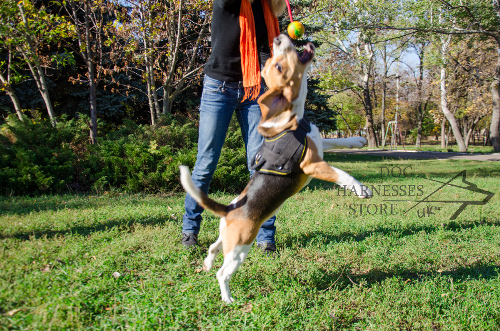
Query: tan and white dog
[[282, 108]]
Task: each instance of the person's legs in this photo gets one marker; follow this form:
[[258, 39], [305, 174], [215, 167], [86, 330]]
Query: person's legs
[[216, 109], [248, 114]]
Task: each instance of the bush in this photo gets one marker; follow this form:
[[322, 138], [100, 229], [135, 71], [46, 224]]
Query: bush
[[37, 158]]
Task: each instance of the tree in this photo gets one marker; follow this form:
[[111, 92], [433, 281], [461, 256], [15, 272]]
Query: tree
[[162, 42], [453, 17], [350, 113], [26, 29], [471, 63], [88, 19], [6, 79], [421, 101], [348, 28], [445, 43], [360, 54]]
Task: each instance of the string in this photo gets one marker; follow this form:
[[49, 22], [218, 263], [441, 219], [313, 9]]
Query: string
[[289, 10]]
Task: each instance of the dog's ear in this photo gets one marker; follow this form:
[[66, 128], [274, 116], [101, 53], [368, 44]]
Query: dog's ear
[[277, 7], [274, 101]]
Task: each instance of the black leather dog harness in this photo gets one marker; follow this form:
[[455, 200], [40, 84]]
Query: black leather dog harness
[[282, 154]]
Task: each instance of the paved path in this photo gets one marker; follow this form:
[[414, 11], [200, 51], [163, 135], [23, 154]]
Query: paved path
[[419, 155]]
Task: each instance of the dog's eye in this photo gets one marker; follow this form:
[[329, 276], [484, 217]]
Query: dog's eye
[[278, 67]]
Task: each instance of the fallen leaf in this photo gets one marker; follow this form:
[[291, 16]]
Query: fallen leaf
[[13, 311], [247, 308]]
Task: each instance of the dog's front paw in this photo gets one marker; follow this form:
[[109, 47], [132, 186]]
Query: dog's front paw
[[207, 266], [365, 192], [227, 299], [360, 190], [357, 142], [349, 183]]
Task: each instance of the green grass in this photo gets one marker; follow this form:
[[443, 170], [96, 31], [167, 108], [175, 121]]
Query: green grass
[[335, 269], [434, 146]]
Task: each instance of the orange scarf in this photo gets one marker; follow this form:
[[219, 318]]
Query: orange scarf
[[248, 46]]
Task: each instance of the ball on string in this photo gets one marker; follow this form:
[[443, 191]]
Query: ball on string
[[295, 30]]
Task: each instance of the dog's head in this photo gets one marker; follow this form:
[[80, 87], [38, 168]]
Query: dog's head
[[286, 77]]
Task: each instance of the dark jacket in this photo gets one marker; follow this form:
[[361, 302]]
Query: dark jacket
[[224, 63]]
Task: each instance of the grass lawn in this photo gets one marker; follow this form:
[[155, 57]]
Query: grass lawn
[[434, 146], [115, 261]]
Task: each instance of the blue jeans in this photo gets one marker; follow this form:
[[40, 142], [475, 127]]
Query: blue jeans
[[219, 101]]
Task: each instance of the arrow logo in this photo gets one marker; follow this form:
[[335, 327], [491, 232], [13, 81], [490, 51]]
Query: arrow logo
[[464, 203]]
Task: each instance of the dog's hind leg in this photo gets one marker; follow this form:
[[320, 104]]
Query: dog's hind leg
[[232, 262], [215, 248], [236, 245]]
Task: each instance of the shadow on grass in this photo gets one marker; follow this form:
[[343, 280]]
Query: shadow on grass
[[26, 209], [376, 276], [26, 206], [410, 230], [120, 225], [347, 278]]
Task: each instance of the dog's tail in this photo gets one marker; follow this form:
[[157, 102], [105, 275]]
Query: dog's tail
[[199, 195]]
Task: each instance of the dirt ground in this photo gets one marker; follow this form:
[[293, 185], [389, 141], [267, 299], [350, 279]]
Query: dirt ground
[[419, 155]]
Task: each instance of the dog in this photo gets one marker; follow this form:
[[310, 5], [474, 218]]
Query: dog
[[282, 107]]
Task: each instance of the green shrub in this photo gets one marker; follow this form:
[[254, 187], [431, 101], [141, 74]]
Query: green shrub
[[37, 158]]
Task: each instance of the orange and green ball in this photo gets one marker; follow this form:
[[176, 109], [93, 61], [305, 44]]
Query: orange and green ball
[[295, 30]]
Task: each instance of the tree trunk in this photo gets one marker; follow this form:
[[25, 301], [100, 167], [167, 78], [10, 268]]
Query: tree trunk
[[5, 83], [36, 69], [154, 105], [153, 91], [444, 102], [346, 124], [93, 103], [384, 95], [420, 108], [13, 97], [167, 106], [449, 115], [167, 99], [372, 138], [41, 83], [91, 72], [367, 101], [495, 115], [443, 133], [469, 133], [420, 120], [150, 100]]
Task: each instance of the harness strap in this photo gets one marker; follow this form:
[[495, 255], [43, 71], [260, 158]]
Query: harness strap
[[282, 154]]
